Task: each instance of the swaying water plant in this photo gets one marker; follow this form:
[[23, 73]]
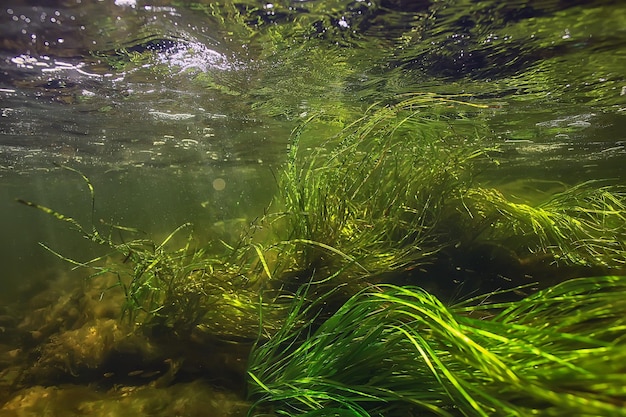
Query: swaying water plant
[[376, 191], [392, 351], [180, 289], [395, 187], [584, 225]]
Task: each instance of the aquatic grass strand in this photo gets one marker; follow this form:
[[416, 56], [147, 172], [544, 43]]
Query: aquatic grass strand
[[180, 289], [394, 351], [584, 225], [375, 191]]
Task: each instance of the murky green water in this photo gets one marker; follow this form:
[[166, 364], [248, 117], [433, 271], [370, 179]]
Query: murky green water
[[182, 112]]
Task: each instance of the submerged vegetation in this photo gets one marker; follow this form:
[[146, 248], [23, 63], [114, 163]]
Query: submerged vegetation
[[582, 225], [177, 289], [311, 281], [397, 351], [396, 271]]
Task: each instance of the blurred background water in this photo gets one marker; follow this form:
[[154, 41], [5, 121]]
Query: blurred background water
[[182, 111]]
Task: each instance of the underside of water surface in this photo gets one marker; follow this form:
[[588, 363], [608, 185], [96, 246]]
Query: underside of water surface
[[312, 208]]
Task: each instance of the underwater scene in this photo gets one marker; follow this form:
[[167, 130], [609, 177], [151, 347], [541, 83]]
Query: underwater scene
[[381, 208]]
